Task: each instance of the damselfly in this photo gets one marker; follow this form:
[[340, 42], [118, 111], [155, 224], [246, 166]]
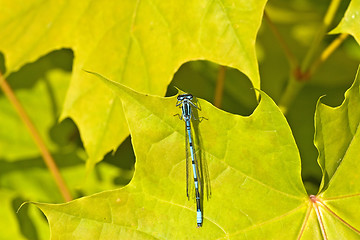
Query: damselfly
[[184, 101]]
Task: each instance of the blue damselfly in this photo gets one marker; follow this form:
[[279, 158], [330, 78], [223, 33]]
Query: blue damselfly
[[185, 102]]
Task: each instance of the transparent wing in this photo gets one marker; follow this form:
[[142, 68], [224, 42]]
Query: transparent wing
[[189, 174], [204, 176], [200, 159], [200, 164]]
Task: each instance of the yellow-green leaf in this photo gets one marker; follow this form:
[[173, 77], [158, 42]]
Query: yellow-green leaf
[[138, 43], [336, 131], [254, 170]]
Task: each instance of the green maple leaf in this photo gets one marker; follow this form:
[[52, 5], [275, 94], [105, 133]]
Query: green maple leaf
[[337, 200], [336, 130], [138, 43], [254, 168]]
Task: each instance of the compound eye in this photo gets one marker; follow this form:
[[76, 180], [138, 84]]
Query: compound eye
[[180, 97], [189, 96]]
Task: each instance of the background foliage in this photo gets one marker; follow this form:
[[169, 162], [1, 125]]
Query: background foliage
[[150, 47]]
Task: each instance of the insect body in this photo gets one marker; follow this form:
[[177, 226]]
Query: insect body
[[184, 101]]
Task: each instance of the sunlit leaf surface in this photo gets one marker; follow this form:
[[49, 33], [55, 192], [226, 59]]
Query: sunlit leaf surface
[[138, 43], [254, 169]]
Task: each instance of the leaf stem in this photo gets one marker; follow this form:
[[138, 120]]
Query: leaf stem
[[219, 89], [302, 73], [48, 159], [292, 89], [288, 53], [327, 52], [329, 16]]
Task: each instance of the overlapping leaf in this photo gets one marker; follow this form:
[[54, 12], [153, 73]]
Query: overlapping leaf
[[336, 131], [337, 139], [254, 170], [339, 157], [138, 43]]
